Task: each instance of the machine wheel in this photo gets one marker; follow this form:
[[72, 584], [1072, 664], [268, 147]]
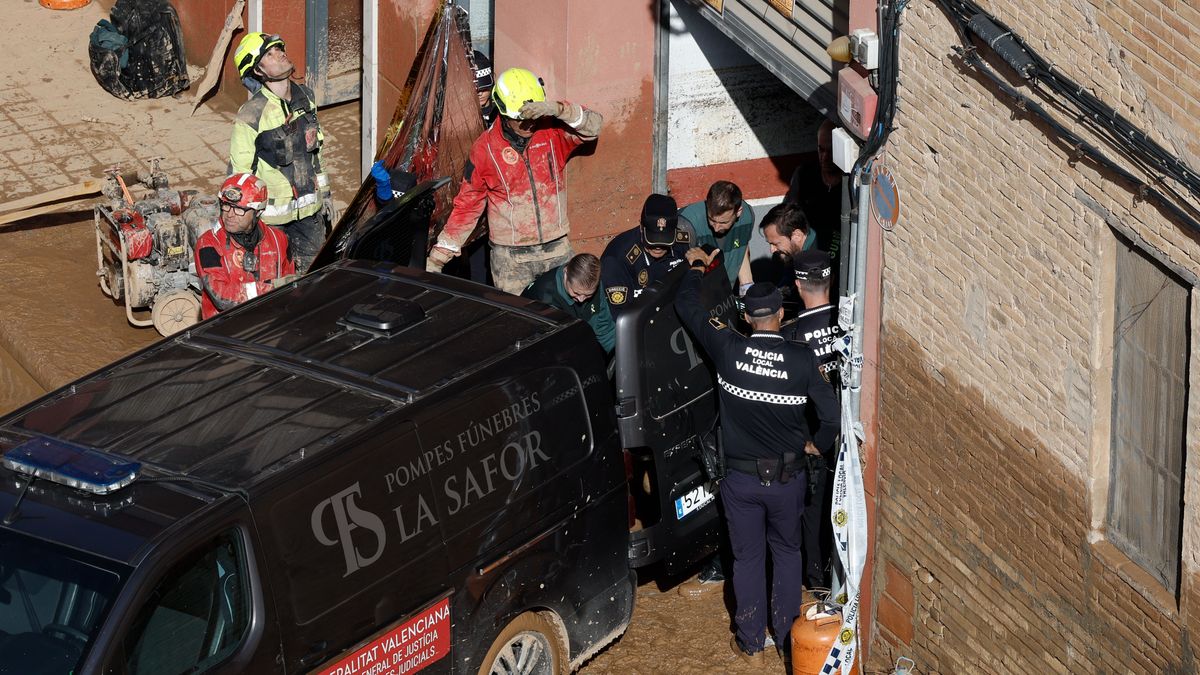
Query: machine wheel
[[530, 645], [174, 312]]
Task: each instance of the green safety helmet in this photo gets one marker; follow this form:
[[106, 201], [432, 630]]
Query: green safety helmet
[[251, 50], [514, 88]]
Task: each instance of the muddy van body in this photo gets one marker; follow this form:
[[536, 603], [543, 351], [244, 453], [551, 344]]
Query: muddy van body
[[373, 470]]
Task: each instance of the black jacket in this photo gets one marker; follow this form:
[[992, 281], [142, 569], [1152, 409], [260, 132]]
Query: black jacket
[[818, 328], [764, 383], [626, 269]]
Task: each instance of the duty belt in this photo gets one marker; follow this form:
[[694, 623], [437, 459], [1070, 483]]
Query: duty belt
[[783, 471]]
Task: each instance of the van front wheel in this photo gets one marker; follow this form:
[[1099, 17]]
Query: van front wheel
[[530, 645]]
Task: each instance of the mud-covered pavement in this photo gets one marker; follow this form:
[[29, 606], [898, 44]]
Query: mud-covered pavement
[[58, 128]]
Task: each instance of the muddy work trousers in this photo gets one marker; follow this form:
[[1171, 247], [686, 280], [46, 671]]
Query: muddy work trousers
[[515, 267], [305, 239], [761, 517]]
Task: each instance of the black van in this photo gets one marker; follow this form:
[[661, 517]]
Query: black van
[[372, 470]]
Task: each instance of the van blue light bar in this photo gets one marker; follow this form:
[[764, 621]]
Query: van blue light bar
[[72, 465]]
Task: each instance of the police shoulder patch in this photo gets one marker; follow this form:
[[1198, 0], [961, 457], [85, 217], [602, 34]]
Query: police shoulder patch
[[617, 294], [634, 252], [209, 257], [683, 236]]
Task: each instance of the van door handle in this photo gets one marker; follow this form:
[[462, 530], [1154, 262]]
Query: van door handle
[[314, 654]]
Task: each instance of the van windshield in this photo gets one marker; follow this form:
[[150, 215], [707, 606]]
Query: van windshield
[[52, 602]]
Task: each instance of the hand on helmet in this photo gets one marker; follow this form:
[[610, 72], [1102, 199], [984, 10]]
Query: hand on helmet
[[533, 110]]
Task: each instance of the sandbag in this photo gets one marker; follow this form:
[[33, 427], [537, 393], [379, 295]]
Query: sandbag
[[139, 54]]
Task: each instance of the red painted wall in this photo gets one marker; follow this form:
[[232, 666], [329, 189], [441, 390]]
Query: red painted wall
[[600, 54], [202, 20], [286, 19], [402, 28]]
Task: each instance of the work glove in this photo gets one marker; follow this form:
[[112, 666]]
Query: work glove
[[383, 181], [438, 257], [284, 280], [535, 109], [331, 214]]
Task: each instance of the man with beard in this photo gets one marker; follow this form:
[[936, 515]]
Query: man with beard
[[785, 227], [723, 220]]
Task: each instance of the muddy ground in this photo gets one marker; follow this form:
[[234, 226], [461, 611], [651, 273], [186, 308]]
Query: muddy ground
[[57, 128]]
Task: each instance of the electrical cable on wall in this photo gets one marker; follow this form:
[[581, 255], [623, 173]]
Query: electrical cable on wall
[[888, 80], [1071, 99]]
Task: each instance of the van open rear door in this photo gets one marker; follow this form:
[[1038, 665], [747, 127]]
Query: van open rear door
[[666, 399]]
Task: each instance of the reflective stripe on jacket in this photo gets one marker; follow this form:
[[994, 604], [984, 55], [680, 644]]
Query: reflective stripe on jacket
[[280, 142], [220, 264], [524, 193]]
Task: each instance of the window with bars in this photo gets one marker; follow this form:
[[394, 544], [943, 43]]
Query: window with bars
[[1149, 406]]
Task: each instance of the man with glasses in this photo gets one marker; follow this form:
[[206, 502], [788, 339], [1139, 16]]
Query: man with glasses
[[572, 288], [638, 257], [243, 257], [724, 221], [276, 137]]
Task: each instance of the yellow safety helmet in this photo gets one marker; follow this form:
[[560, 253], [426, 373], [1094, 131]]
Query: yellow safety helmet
[[514, 88], [251, 50]]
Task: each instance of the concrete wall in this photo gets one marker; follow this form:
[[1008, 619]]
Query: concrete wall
[[996, 364]]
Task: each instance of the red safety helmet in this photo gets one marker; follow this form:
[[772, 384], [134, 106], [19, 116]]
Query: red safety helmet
[[245, 190]]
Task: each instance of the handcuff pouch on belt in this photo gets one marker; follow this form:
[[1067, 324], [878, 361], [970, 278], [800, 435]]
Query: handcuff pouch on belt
[[781, 469], [776, 469]]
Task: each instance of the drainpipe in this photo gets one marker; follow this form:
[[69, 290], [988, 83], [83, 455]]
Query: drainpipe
[[858, 286]]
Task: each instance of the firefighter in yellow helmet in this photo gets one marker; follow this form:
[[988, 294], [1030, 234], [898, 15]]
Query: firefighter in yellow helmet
[[277, 137], [515, 173]]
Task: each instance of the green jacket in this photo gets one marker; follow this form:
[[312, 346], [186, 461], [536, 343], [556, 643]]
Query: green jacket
[[280, 142], [736, 241], [548, 288]]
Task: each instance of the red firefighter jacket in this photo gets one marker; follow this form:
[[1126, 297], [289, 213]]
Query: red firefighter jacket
[[524, 192], [221, 264]]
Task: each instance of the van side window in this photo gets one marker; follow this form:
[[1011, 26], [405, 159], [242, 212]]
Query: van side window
[[197, 615]]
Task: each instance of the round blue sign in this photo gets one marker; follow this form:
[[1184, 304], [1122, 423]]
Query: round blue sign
[[885, 197]]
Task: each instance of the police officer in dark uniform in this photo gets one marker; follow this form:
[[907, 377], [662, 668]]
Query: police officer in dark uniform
[[765, 383], [817, 327], [637, 258], [817, 324]]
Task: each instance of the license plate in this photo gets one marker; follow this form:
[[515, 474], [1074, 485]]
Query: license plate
[[692, 502]]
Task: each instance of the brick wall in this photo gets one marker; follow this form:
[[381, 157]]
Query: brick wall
[[996, 356]]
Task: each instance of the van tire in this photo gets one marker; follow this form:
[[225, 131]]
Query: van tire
[[526, 632]]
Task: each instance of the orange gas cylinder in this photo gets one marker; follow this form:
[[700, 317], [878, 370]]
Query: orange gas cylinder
[[63, 4], [813, 634]]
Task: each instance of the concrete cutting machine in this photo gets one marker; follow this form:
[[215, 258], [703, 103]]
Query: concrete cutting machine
[[144, 249]]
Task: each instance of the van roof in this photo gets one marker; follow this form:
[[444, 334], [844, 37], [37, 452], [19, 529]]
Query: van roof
[[285, 376]]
